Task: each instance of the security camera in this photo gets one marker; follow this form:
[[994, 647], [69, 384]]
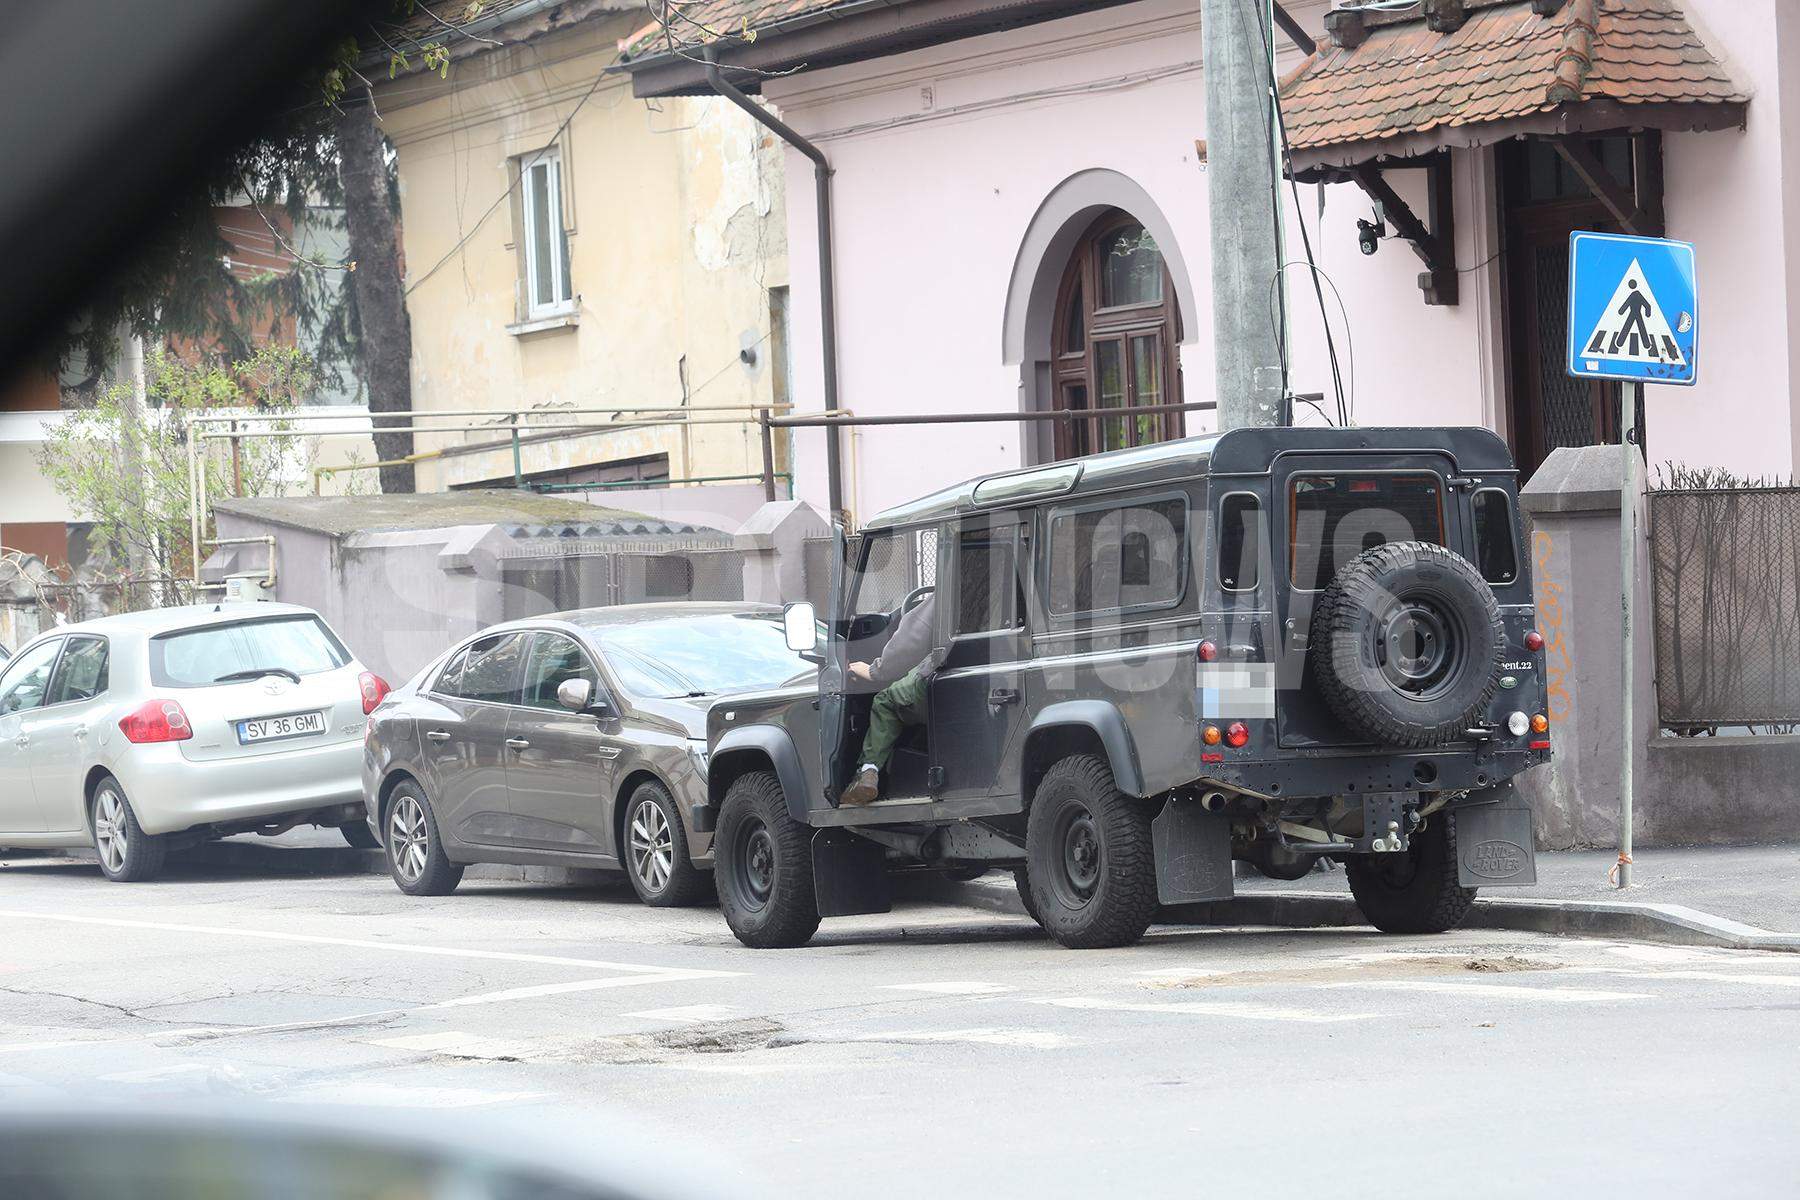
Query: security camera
[[1369, 234]]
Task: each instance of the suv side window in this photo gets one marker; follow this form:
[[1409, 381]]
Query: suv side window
[[554, 659], [1495, 551], [1241, 540], [81, 674], [989, 592], [491, 670], [1118, 558], [27, 677]]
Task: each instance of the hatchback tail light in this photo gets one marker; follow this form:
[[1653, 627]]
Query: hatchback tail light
[[374, 689], [156, 721]]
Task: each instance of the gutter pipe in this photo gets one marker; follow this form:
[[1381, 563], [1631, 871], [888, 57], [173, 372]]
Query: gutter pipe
[[834, 467]]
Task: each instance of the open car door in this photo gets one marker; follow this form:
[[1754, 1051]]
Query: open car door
[[837, 744]]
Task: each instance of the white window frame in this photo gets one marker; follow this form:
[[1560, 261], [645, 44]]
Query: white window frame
[[562, 295]]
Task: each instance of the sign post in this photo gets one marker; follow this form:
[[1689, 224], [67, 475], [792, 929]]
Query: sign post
[[1634, 316]]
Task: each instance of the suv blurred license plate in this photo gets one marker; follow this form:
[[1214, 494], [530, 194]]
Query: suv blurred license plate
[[270, 729]]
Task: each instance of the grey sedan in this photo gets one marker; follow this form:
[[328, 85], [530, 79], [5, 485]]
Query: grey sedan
[[576, 739]]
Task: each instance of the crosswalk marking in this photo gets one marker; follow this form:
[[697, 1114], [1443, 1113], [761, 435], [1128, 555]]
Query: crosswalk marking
[[1211, 1008], [951, 988], [688, 1012], [1035, 1039], [1489, 991]]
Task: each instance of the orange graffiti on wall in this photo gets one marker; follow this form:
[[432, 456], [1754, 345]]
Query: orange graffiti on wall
[[1558, 665]]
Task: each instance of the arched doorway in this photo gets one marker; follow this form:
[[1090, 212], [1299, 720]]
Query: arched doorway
[[1113, 342]]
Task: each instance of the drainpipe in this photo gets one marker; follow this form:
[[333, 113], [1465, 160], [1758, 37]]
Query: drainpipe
[[834, 467]]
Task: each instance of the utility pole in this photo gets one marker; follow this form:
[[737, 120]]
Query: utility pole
[[1242, 194]]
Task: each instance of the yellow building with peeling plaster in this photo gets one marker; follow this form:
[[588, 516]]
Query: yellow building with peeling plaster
[[569, 246]]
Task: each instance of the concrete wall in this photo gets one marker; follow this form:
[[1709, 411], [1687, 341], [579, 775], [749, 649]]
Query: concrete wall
[[953, 152], [676, 236], [1687, 791]]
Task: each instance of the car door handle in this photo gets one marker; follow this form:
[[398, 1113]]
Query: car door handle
[[1003, 696], [81, 731], [436, 735], [21, 741], [516, 743]]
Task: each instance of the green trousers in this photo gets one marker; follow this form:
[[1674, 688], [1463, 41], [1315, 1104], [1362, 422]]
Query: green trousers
[[896, 706]]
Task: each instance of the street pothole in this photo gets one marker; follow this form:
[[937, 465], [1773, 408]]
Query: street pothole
[[1388, 968], [723, 1037]]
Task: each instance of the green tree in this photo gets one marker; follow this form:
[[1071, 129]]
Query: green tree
[[123, 465]]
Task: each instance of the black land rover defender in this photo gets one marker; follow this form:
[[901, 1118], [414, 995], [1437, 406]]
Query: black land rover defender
[[1270, 645]]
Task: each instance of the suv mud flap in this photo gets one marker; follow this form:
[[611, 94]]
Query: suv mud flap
[[1494, 845], [849, 874], [1193, 854]]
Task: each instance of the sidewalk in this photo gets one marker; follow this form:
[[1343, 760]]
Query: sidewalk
[[1756, 885]]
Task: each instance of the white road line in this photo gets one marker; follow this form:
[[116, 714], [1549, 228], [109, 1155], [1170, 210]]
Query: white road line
[[1035, 1039], [1490, 991], [1727, 977], [688, 1013], [559, 989], [950, 988], [367, 944], [377, 1096], [459, 1045], [1208, 1008]]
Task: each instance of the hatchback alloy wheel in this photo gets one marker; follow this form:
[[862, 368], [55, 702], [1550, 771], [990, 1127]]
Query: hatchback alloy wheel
[[408, 839], [111, 838], [652, 845]]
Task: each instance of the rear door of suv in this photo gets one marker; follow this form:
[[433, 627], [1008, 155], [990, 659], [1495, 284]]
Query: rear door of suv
[[1329, 509]]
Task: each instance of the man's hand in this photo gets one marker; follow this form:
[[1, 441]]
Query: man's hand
[[859, 671]]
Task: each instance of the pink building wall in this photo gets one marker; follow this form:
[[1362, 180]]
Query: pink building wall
[[942, 158]]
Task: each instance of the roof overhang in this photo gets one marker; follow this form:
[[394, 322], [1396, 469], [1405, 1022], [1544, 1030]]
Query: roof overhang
[[844, 33], [1333, 162]]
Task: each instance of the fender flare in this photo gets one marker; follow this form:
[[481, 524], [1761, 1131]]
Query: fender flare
[[1103, 719], [765, 741]]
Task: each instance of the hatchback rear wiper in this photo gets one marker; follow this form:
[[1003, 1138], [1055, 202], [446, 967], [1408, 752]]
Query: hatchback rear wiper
[[256, 673]]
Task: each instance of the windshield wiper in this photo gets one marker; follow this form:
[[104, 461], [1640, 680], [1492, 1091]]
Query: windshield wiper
[[256, 673]]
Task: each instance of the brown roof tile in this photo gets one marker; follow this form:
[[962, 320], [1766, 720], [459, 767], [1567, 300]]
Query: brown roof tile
[[1505, 62]]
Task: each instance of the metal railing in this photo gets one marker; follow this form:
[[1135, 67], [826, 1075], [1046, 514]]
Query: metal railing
[[1725, 572]]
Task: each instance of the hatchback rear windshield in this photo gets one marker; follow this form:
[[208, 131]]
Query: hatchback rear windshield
[[226, 653], [1334, 518]]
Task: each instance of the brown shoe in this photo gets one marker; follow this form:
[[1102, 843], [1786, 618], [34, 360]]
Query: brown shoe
[[862, 790]]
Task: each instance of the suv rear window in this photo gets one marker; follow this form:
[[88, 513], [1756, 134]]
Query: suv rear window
[[198, 657], [1334, 518]]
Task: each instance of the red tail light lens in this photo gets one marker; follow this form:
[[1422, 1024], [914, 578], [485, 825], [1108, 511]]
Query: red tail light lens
[[374, 689], [1237, 735], [1209, 651], [1534, 640], [156, 721]]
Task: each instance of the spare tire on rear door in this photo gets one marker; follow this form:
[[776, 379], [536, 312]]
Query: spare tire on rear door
[[1406, 645]]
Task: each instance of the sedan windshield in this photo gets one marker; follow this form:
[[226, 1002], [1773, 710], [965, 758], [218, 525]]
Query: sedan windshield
[[702, 656]]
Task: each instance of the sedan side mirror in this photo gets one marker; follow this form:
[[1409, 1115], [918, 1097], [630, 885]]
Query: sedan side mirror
[[801, 625], [574, 694]]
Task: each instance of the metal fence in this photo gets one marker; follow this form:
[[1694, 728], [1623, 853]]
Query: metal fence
[[1725, 566], [542, 584]]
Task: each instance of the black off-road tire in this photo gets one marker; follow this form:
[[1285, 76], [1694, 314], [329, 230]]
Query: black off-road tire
[[762, 866], [1088, 857], [1022, 881], [359, 836], [430, 872], [1414, 891], [684, 882], [1408, 592], [137, 856]]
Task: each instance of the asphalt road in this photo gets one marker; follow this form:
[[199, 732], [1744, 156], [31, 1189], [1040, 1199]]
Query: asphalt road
[[935, 1049]]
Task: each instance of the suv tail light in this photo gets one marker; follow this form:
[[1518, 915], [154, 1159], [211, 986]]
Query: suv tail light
[[156, 721], [1534, 641], [1237, 735], [374, 689]]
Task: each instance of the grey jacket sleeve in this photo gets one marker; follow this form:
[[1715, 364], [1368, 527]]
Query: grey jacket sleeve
[[910, 646]]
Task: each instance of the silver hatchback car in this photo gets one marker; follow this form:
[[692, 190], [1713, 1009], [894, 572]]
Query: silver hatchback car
[[151, 731], [576, 739]]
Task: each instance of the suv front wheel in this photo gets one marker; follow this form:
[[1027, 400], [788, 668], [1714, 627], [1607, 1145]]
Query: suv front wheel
[[1089, 860], [762, 866]]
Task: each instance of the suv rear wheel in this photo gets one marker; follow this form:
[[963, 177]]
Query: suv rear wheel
[[1089, 861], [762, 865], [1413, 891]]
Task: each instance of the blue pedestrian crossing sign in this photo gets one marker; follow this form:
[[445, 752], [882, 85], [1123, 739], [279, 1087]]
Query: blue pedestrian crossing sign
[[1634, 309]]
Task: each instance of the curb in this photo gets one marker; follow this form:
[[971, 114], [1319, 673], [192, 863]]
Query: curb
[[1674, 924]]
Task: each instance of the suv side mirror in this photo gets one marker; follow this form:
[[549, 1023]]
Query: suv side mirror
[[801, 625]]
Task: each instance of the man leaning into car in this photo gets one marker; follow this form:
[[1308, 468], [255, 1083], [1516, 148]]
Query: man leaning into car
[[903, 673]]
